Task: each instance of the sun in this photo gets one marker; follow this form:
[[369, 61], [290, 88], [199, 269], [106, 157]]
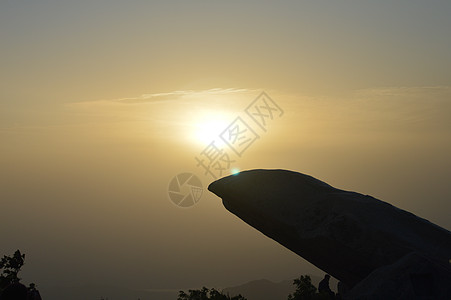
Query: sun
[[209, 128], [206, 126]]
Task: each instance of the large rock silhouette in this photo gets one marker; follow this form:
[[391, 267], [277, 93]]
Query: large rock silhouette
[[346, 234]]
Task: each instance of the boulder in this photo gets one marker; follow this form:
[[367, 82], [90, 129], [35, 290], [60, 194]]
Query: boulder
[[412, 277], [346, 234]]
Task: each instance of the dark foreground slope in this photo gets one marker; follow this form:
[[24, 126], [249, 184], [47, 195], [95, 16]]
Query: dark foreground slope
[[347, 234]]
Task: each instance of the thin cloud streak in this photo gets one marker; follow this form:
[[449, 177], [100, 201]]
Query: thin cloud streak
[[173, 96], [176, 95], [404, 91]]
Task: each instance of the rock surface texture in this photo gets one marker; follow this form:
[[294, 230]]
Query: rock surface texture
[[373, 247]]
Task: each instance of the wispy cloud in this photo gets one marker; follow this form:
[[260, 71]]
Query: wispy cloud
[[409, 92], [173, 96], [176, 95], [423, 106]]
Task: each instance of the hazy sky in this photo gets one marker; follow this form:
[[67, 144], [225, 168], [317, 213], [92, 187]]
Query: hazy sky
[[103, 102]]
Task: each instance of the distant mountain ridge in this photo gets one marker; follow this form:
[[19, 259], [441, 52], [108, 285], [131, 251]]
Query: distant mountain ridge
[[264, 289], [261, 289], [97, 292]]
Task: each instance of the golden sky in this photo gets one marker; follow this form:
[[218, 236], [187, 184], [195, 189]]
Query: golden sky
[[102, 103]]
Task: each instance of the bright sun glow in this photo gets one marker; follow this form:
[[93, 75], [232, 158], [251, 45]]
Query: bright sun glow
[[209, 128]]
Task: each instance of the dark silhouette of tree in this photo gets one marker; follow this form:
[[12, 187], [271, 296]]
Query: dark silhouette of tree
[[15, 291], [206, 294], [305, 290], [10, 266], [10, 286]]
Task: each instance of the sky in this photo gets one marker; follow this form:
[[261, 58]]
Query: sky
[[102, 103]]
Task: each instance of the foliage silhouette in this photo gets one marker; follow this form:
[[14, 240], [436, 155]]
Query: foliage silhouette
[[305, 290], [10, 286], [10, 266], [206, 294]]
